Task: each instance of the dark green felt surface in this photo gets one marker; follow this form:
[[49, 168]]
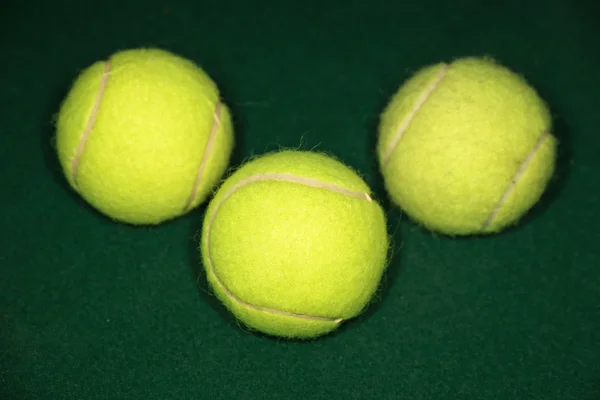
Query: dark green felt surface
[[91, 309]]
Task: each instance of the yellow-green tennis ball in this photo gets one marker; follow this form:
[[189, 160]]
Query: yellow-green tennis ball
[[466, 148], [144, 136], [293, 244]]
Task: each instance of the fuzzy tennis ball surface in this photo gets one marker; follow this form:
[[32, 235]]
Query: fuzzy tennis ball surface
[[143, 136], [466, 148], [293, 244]]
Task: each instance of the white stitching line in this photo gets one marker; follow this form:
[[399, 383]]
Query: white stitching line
[[514, 181], [207, 152], [422, 99], [90, 123]]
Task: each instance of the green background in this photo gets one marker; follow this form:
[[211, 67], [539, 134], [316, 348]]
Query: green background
[[91, 309]]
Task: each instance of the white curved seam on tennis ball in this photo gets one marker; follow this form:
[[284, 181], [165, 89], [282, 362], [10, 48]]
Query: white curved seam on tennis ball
[[282, 177], [91, 121], [206, 155], [406, 123], [514, 181]]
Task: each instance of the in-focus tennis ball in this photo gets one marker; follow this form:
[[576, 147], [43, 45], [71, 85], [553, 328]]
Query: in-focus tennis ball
[[293, 244], [466, 148], [144, 136]]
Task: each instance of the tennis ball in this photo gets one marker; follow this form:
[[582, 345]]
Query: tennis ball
[[143, 137], [466, 148], [293, 244]]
